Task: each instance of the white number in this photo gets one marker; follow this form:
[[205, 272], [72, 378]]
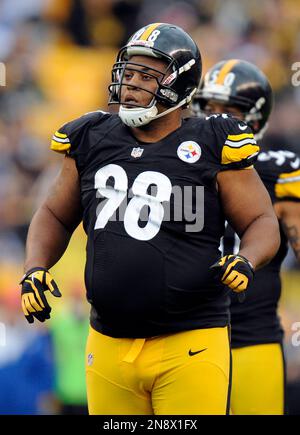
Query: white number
[[213, 78], [140, 200], [115, 194], [229, 79], [217, 115], [280, 157], [154, 35], [138, 34]]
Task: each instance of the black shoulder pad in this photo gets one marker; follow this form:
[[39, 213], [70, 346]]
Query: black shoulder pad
[[67, 137]]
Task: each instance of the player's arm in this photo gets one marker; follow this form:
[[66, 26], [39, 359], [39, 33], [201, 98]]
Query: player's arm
[[289, 214], [249, 210], [54, 222], [246, 203], [48, 237]]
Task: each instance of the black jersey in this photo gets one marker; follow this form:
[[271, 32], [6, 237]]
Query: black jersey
[[153, 220], [255, 321]]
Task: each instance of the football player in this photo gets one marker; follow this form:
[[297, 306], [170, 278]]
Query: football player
[[242, 90], [152, 191]]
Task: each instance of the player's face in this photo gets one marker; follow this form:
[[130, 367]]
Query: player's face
[[216, 107], [140, 82]]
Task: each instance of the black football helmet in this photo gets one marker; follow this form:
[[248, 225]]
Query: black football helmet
[[175, 85], [241, 84]]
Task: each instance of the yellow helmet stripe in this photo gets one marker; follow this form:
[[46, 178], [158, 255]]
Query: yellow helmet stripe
[[148, 31], [227, 67]]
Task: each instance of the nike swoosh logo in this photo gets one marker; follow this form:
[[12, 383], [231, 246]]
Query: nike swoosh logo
[[295, 164], [195, 353], [242, 127]]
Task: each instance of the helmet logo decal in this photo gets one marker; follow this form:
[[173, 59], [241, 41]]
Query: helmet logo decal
[[189, 151]]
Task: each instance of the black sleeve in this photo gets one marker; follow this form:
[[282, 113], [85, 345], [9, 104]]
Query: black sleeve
[[236, 146], [69, 139], [280, 173]]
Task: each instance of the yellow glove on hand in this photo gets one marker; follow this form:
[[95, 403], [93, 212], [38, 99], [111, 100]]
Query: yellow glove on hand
[[34, 284], [235, 271]]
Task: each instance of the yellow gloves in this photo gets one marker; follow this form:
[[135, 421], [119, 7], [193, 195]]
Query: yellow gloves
[[34, 284], [235, 271]]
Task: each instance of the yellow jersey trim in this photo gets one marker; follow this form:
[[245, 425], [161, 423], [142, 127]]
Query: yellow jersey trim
[[60, 147], [288, 185], [230, 155]]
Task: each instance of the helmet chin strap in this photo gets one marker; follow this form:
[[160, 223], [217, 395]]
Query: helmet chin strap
[[136, 116]]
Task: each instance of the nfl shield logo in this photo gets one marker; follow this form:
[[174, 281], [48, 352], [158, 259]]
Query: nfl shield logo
[[137, 152]]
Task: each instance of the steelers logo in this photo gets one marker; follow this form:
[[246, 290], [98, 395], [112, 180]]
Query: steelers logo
[[189, 151]]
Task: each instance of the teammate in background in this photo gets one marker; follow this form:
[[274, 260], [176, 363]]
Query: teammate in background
[[158, 341], [258, 385]]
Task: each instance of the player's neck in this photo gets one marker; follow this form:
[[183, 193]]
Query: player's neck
[[159, 128]]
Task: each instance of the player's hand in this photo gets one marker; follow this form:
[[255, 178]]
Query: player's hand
[[235, 271], [34, 284]]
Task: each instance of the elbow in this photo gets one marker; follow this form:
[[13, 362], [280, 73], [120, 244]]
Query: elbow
[[68, 228], [261, 241]]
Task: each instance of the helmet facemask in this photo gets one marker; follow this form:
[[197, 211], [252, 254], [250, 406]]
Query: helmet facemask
[[133, 114]]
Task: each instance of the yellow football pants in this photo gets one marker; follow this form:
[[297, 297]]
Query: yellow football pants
[[184, 373], [258, 380]]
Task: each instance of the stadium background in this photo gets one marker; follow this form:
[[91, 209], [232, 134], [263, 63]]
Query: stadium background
[[58, 56]]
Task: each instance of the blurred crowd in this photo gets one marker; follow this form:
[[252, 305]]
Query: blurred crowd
[[58, 56]]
